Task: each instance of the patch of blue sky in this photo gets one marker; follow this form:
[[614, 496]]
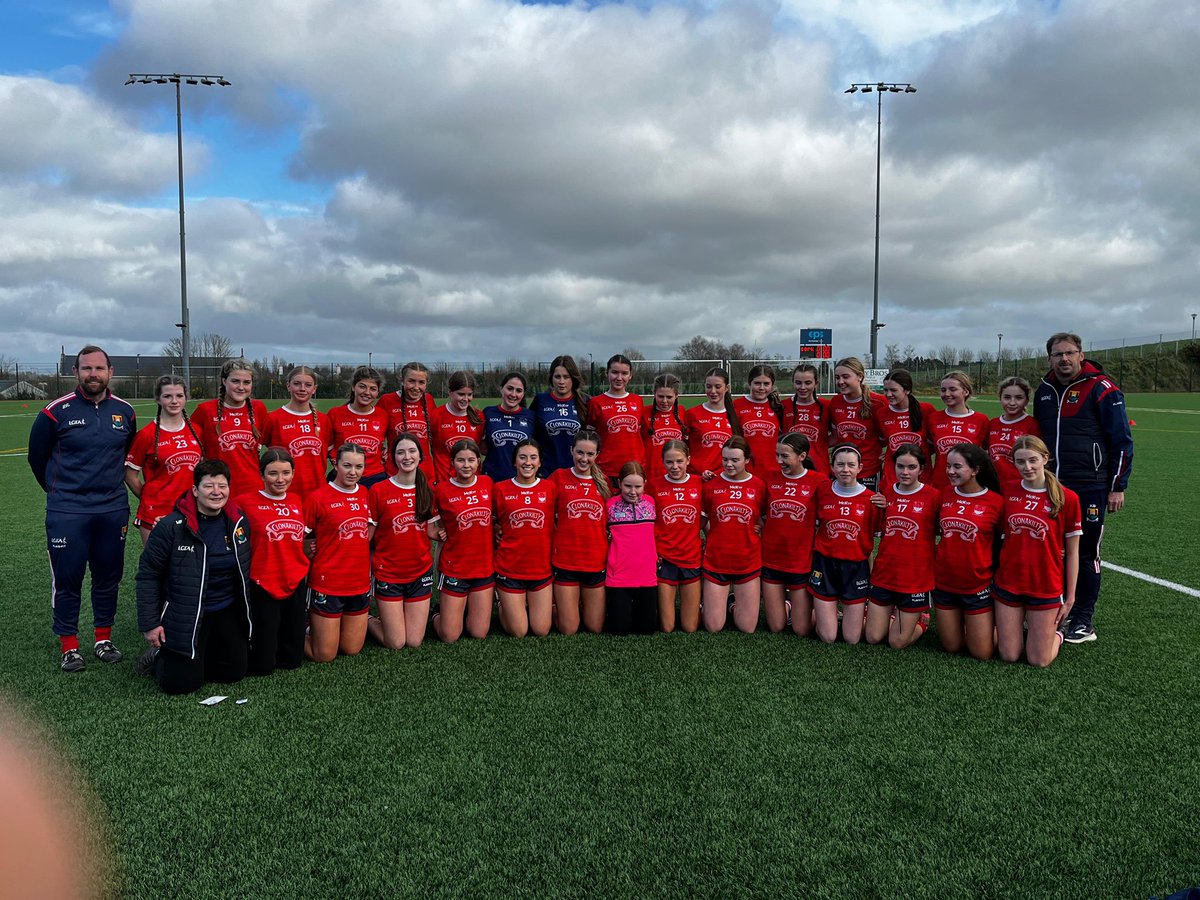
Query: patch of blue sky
[[249, 162], [56, 38]]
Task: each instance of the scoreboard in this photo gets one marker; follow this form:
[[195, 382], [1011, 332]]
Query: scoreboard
[[816, 343]]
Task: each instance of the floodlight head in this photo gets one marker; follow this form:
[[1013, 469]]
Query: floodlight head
[[894, 89], [853, 89], [867, 89], [192, 81], [160, 80], [174, 79], [129, 80], [222, 82], [910, 90], [207, 81]]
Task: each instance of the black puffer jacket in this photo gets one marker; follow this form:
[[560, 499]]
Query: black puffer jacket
[[172, 572]]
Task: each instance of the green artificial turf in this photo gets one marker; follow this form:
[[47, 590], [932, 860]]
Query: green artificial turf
[[671, 765]]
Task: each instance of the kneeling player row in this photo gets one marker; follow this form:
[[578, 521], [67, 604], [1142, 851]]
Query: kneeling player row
[[564, 551]]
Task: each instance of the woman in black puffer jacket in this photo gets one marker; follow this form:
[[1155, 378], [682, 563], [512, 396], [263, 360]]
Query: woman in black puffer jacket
[[191, 588]]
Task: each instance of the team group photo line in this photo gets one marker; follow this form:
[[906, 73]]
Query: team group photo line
[[271, 537]]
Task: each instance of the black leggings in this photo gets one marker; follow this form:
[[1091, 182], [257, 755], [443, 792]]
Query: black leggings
[[278, 638], [221, 653], [631, 610]]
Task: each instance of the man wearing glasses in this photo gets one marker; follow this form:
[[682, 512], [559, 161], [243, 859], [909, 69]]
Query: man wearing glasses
[[1083, 419]]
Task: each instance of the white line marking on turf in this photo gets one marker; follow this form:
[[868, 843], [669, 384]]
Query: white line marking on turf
[[1161, 582]]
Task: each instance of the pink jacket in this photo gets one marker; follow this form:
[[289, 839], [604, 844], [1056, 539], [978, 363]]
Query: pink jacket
[[632, 557]]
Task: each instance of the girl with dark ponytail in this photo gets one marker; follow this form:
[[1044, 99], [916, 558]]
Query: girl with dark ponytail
[[158, 469], [401, 561], [760, 414]]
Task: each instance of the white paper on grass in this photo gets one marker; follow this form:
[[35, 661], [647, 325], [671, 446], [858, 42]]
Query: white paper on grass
[[213, 701], [243, 700]]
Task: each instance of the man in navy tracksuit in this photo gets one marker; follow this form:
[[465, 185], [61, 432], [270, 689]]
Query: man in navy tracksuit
[[77, 450], [1083, 419]]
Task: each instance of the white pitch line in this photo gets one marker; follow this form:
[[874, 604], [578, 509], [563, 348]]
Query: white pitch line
[[1161, 582]]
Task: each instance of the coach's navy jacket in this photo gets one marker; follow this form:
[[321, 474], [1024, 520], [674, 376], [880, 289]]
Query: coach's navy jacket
[[1086, 427], [77, 453], [171, 574]]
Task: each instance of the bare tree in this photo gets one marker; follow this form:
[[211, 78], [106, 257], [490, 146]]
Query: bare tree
[[891, 355], [1028, 352], [8, 366], [700, 347], [947, 354], [209, 344], [633, 353], [966, 355]]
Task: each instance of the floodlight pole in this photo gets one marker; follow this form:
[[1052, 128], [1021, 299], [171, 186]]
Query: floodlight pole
[[879, 87], [177, 79], [999, 363]]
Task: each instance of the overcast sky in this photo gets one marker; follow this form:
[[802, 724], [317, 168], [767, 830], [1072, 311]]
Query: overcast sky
[[474, 179]]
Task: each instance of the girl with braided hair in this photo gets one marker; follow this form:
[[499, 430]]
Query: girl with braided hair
[[230, 427], [158, 468], [410, 410], [300, 429]]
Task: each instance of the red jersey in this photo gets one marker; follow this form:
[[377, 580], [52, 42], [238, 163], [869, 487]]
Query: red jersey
[[525, 517], [1031, 557], [580, 537], [847, 426], [415, 418], [658, 428], [677, 523], [968, 524], [466, 514], [846, 526], [761, 428], [402, 553], [904, 563], [945, 431], [233, 439], [619, 422], [305, 436], [1001, 436], [448, 430], [734, 510], [277, 560], [166, 467], [790, 526], [895, 430], [339, 520], [368, 430], [812, 421], [707, 432]]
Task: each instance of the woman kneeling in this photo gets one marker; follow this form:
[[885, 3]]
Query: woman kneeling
[[192, 597]]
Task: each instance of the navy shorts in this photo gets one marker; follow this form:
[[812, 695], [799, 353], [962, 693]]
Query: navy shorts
[[522, 585], [839, 579], [792, 581], [909, 603], [332, 606], [571, 578], [971, 604], [671, 573], [726, 579], [1024, 600], [409, 591], [461, 587]]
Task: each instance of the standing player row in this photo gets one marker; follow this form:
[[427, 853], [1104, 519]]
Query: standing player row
[[233, 426]]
